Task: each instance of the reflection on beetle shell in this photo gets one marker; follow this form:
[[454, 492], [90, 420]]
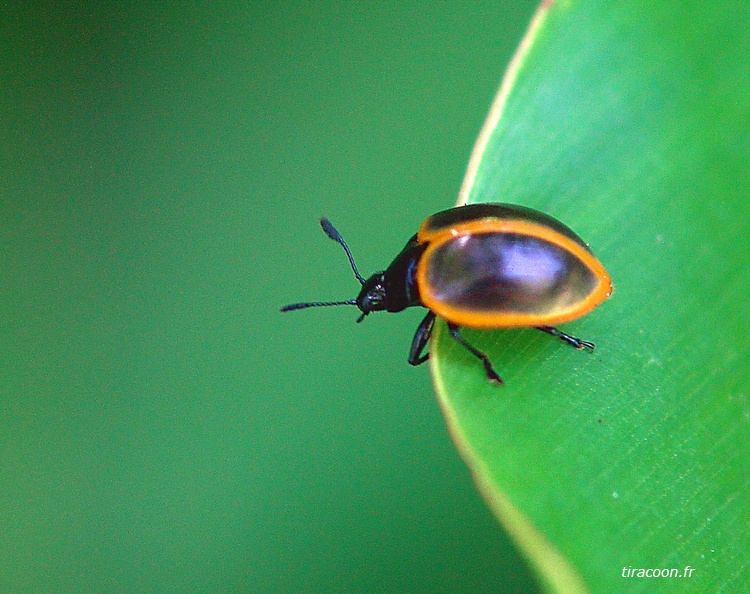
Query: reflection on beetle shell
[[507, 272]]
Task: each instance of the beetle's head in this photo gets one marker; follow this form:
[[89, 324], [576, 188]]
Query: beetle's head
[[372, 295]]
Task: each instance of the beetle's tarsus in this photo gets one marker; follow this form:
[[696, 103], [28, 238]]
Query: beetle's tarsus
[[567, 338], [491, 374]]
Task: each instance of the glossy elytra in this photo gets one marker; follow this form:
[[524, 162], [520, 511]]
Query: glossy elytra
[[484, 266]]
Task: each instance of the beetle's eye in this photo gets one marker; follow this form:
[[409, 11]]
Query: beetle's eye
[[373, 299]]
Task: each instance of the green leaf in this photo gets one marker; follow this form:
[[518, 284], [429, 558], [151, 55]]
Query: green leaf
[[630, 122]]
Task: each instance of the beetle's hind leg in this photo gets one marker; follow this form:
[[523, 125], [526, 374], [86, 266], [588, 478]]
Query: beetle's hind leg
[[421, 338], [488, 368], [571, 340]]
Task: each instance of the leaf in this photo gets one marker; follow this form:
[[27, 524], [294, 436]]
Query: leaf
[[630, 122]]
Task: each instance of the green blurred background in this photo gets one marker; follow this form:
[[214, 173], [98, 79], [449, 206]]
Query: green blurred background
[[162, 170]]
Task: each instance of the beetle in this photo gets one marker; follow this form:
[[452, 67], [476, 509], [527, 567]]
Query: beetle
[[488, 265]]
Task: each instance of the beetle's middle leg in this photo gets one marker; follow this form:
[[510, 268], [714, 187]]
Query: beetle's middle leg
[[488, 368]]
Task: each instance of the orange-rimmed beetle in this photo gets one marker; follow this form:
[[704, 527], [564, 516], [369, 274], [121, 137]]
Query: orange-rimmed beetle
[[484, 266]]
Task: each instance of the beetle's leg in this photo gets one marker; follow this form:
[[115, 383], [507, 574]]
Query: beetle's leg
[[571, 340], [491, 374], [421, 338]]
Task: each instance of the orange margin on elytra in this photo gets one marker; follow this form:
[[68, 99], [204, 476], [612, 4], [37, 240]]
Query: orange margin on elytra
[[488, 319]]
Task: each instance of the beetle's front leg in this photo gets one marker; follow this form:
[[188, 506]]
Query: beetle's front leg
[[421, 338]]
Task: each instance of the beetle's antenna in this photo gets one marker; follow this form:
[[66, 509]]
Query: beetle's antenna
[[336, 236], [294, 306]]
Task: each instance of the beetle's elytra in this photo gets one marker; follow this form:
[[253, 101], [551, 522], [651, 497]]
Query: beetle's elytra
[[484, 266]]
